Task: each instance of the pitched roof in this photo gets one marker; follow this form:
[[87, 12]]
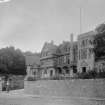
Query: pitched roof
[[49, 47]]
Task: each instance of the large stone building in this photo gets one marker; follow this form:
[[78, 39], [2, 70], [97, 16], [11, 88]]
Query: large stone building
[[55, 61], [86, 57], [68, 58], [48, 60], [59, 60]]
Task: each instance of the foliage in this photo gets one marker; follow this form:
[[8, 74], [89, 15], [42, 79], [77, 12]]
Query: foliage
[[100, 28], [31, 79], [91, 75], [87, 75], [99, 42], [101, 74], [12, 61], [99, 46], [17, 82]]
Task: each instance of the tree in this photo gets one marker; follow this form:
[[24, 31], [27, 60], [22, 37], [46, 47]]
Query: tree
[[99, 45], [12, 61], [100, 28]]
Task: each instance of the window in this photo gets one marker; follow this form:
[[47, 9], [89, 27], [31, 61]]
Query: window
[[86, 42], [83, 43], [69, 49], [74, 69], [64, 59], [90, 42], [67, 57], [60, 60], [45, 71], [66, 49], [67, 71], [68, 61], [79, 55], [34, 73], [89, 54], [46, 53], [83, 53]]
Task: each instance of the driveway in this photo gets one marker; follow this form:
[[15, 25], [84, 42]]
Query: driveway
[[19, 98]]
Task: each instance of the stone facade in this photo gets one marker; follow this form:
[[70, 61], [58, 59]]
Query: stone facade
[[67, 62], [48, 60], [54, 61], [68, 58], [59, 60], [86, 57]]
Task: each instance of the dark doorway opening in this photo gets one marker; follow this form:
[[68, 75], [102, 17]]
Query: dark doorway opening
[[59, 70], [74, 69], [83, 69], [51, 73]]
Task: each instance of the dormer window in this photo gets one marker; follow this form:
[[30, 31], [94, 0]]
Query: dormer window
[[46, 53], [83, 43]]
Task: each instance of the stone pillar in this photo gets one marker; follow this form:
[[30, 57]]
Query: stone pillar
[[29, 73], [71, 55]]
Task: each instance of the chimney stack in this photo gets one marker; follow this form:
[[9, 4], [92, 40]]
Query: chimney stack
[[71, 38]]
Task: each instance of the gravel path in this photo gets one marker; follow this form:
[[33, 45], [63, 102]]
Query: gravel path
[[19, 98]]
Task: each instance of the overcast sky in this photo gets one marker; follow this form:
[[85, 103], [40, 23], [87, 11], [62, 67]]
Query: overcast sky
[[27, 24]]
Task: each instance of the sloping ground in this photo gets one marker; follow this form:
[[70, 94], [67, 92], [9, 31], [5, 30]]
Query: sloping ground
[[73, 88]]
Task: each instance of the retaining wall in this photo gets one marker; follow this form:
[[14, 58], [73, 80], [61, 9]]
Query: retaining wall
[[74, 88]]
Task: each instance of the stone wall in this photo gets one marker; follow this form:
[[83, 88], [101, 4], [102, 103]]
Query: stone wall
[[91, 88], [17, 82]]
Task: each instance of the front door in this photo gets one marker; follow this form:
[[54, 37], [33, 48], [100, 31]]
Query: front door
[[83, 69], [51, 73]]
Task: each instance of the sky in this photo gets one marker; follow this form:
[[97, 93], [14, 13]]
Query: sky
[[28, 24]]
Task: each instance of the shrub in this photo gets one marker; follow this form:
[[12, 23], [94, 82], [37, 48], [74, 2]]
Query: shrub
[[91, 75], [101, 74], [31, 79], [87, 75]]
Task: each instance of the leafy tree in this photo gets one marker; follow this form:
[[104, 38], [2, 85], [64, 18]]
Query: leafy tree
[[100, 28], [12, 61], [99, 45], [3, 69]]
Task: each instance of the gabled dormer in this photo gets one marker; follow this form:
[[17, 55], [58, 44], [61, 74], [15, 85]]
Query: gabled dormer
[[48, 50]]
